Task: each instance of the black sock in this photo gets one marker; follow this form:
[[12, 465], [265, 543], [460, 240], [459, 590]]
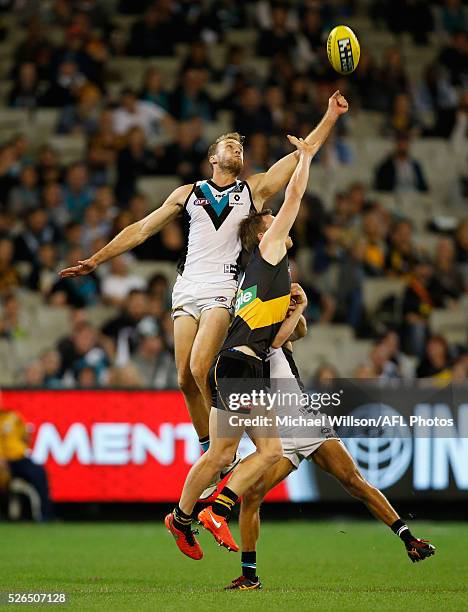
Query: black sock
[[249, 565], [181, 520], [402, 531], [224, 503]]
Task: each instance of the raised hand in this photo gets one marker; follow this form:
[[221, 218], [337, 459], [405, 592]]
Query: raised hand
[[337, 104], [302, 146]]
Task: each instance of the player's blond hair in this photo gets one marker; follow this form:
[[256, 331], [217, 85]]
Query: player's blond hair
[[229, 136], [250, 227]]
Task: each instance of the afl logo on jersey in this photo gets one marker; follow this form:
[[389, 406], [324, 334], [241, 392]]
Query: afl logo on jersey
[[235, 199], [201, 202]]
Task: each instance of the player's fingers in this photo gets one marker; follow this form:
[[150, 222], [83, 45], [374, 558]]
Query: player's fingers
[[336, 94]]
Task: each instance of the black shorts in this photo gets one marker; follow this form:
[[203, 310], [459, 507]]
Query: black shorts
[[234, 372]]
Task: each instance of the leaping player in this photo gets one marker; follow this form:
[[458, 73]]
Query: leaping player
[[322, 447], [208, 270]]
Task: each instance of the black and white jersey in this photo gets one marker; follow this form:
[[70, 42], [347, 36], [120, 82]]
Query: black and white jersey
[[212, 216]]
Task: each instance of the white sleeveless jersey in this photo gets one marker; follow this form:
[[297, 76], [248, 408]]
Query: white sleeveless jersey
[[212, 216]]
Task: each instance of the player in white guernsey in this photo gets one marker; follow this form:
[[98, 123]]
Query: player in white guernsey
[[207, 280], [320, 446]]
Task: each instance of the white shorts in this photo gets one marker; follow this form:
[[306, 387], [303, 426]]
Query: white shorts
[[190, 298], [297, 449]]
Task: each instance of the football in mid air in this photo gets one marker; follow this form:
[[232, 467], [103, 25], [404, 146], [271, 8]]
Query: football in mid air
[[343, 49]]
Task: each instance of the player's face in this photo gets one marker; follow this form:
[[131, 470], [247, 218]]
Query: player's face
[[230, 156], [267, 221]]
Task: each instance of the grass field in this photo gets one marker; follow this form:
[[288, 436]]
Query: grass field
[[304, 566]]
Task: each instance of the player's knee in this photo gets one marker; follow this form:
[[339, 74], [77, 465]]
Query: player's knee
[[218, 460], [272, 453], [199, 369], [187, 384]]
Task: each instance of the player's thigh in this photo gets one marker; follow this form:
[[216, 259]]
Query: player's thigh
[[212, 330], [185, 331], [333, 457]]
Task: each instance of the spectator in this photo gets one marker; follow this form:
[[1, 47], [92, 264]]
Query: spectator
[[447, 285], [48, 166], [367, 83], [53, 200], [417, 307], [119, 281], [83, 116], [9, 277], [190, 99], [15, 321], [26, 194], [125, 377], [436, 360], [400, 172], [401, 252], [349, 285], [381, 362], [453, 16], [401, 117], [78, 292], [27, 90], [44, 271], [65, 89], [95, 226], [185, 156], [38, 230], [251, 116], [83, 352], [134, 160], [153, 90], [14, 449], [155, 365], [128, 327], [78, 193], [155, 34], [132, 112], [278, 38], [454, 57], [374, 230], [103, 149], [51, 364]]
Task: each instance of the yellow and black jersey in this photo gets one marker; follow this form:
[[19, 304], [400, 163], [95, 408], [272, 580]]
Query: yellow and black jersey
[[262, 302]]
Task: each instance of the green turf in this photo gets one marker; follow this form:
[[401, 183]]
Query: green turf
[[304, 566]]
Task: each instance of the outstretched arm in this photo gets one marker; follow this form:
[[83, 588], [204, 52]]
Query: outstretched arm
[[273, 243], [134, 234], [266, 184]]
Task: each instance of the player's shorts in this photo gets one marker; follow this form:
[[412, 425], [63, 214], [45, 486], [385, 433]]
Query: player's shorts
[[233, 374], [229, 370], [190, 298], [297, 449]]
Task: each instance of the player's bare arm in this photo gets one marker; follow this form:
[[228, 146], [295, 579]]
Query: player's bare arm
[[134, 234], [273, 243], [294, 326], [266, 184]]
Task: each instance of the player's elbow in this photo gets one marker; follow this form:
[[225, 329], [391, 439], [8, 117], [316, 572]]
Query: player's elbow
[[277, 342]]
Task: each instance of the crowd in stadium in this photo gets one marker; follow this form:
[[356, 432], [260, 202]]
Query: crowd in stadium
[[53, 215]]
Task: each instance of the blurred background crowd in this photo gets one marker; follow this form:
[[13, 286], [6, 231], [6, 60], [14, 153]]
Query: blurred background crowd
[[106, 106]]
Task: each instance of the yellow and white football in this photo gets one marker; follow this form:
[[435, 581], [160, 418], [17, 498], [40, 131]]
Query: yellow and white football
[[343, 49]]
